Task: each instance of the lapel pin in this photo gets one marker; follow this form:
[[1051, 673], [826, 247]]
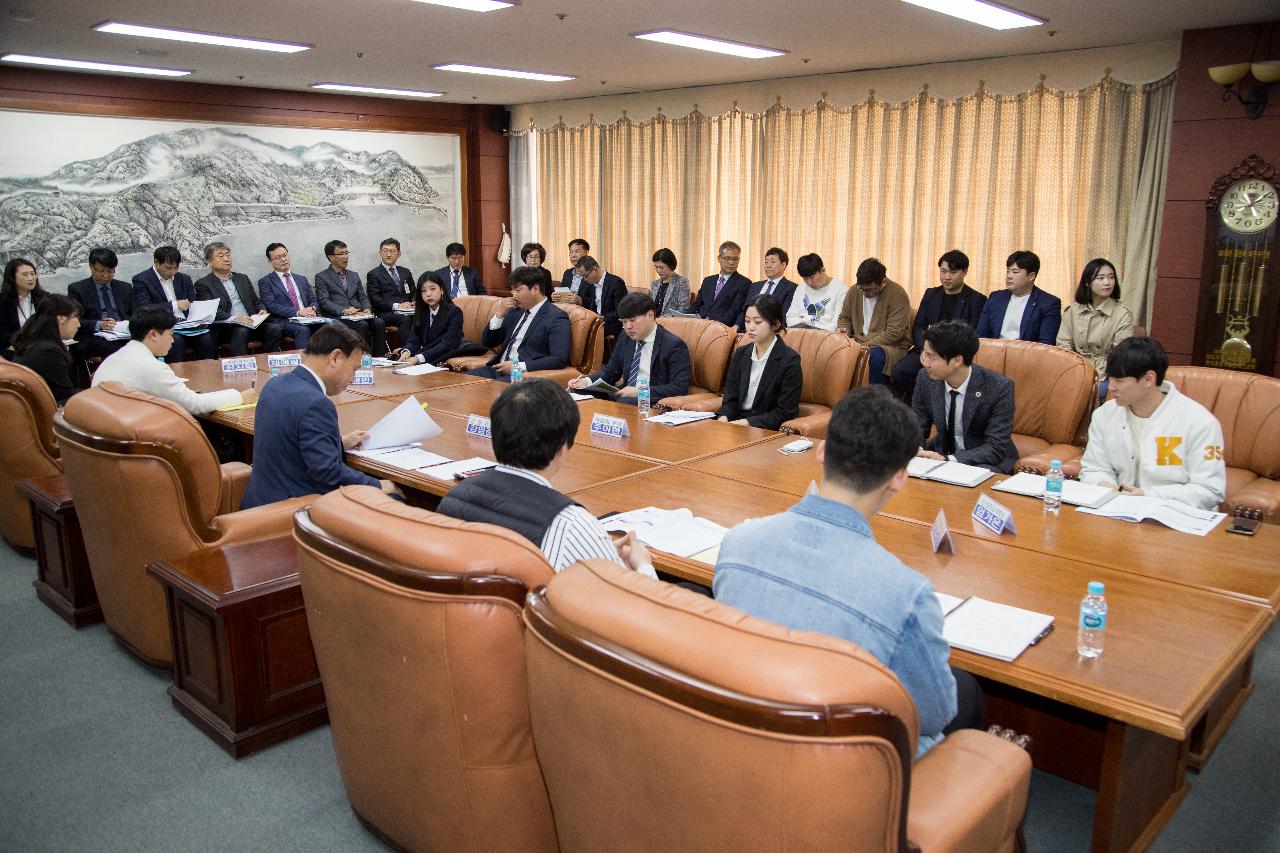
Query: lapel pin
[[977, 394]]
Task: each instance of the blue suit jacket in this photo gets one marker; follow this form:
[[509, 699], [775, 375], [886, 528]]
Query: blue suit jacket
[[669, 368], [470, 280], [297, 448], [784, 292], [147, 289], [731, 303], [545, 345], [1040, 321], [439, 339], [276, 298], [968, 309], [586, 292]]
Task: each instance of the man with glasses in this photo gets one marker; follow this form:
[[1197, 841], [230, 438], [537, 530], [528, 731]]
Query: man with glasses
[[877, 314], [287, 295], [341, 295], [723, 297]]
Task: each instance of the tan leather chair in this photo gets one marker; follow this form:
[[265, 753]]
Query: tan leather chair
[[28, 450], [1054, 389], [477, 311], [710, 346], [147, 486], [586, 345], [415, 619], [832, 364], [667, 721]]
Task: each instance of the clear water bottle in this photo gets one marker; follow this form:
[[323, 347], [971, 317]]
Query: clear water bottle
[[1053, 486], [1093, 622], [275, 371], [642, 396], [517, 371], [366, 361]]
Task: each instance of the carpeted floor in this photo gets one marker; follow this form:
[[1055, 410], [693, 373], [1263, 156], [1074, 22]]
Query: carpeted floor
[[94, 757]]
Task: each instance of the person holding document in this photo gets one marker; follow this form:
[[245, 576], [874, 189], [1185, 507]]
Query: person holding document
[[286, 295], [437, 323], [762, 387], [162, 284], [239, 306], [647, 351]]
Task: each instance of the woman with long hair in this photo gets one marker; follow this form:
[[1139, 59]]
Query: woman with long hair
[[1096, 321], [40, 343], [437, 323], [20, 296]]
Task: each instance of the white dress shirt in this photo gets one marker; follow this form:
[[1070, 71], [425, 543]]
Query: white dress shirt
[[135, 366], [166, 284], [946, 392], [757, 370], [512, 352], [25, 309], [770, 285], [646, 355], [1011, 329]]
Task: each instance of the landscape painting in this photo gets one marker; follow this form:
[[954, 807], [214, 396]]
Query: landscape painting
[[72, 183]]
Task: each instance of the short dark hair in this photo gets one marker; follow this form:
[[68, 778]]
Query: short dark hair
[[530, 247], [870, 437], [1084, 293], [455, 249], [952, 338], [586, 265], [167, 255], [531, 277], [770, 310], [271, 247], [635, 305], [1024, 260], [332, 247], [1133, 357], [104, 258], [780, 253], [578, 241], [808, 265], [728, 244], [330, 337], [153, 316], [43, 325], [955, 259], [870, 271], [530, 421], [665, 256], [390, 241]]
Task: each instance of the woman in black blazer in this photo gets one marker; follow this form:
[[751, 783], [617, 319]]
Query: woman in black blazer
[[39, 344], [433, 338], [777, 394], [20, 296]]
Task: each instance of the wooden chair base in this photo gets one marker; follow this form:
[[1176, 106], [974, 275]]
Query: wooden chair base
[[63, 581]]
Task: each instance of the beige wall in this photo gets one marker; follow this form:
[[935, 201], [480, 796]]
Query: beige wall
[[1131, 63]]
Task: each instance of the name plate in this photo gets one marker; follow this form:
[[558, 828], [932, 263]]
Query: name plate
[[993, 515], [283, 359], [940, 535], [362, 377], [239, 364], [609, 425], [479, 425]]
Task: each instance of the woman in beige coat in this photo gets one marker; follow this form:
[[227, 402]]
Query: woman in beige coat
[[1096, 322]]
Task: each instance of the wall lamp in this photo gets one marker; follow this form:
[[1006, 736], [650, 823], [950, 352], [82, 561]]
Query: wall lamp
[[1254, 97]]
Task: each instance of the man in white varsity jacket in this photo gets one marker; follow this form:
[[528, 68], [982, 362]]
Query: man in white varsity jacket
[[1150, 439]]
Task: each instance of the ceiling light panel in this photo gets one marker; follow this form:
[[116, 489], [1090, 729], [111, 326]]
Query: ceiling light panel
[[502, 72], [116, 28], [473, 5], [977, 12], [82, 65], [745, 51], [375, 90]]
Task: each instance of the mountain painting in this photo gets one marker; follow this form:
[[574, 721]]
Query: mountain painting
[[74, 183]]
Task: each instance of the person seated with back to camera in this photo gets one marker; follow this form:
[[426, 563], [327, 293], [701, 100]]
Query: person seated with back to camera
[[436, 326], [647, 351], [763, 384], [536, 334]]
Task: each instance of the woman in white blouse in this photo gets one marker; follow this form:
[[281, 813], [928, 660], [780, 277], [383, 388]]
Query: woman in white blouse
[[762, 387], [20, 296]]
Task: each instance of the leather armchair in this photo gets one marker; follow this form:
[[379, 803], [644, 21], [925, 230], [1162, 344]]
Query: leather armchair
[[711, 345], [147, 486], [832, 364], [416, 623], [28, 450], [667, 721], [586, 345], [477, 311]]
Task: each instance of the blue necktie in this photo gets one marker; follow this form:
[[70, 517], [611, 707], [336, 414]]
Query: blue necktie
[[633, 372], [456, 273], [108, 303]]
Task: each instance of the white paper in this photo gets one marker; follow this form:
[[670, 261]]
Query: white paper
[[462, 466], [919, 466], [419, 370], [309, 321], [1073, 491], [995, 630], [255, 320], [1179, 516], [578, 398], [947, 602], [379, 361], [677, 417], [119, 333], [200, 313], [955, 473], [645, 519], [675, 531], [407, 423], [409, 457]]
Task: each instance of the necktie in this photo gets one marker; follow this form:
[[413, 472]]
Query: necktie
[[395, 278], [510, 351], [768, 287], [719, 287], [292, 291], [633, 372], [949, 441], [108, 302], [456, 273]]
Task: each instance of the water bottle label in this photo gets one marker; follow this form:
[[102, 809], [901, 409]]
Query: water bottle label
[[1093, 621], [1052, 485]]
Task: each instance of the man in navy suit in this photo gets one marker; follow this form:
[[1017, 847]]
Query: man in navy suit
[[537, 334], [647, 352], [775, 284], [1022, 311], [162, 284], [459, 279], [723, 297], [297, 447], [238, 303], [571, 280], [390, 286], [951, 300], [601, 292], [285, 294], [104, 301]]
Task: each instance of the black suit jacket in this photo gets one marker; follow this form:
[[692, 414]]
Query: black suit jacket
[[546, 342], [85, 292], [434, 341], [784, 292], [609, 292], [10, 324], [52, 361], [729, 305], [986, 418], [778, 394], [968, 309], [147, 289], [470, 280], [210, 287], [384, 292], [669, 367]]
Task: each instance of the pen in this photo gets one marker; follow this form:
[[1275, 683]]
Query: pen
[[253, 383], [1043, 634]]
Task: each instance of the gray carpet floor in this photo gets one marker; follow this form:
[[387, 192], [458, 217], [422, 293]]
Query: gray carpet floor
[[94, 757]]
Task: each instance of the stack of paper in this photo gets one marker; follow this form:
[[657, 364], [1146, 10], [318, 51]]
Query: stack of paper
[[1179, 516], [419, 370], [408, 457], [676, 417], [255, 320], [119, 333], [201, 313], [309, 321], [987, 628], [955, 473], [407, 423], [578, 398], [462, 466], [675, 531], [1073, 491], [380, 361]]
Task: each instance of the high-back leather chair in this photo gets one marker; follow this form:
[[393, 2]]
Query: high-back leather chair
[[477, 311], [416, 623], [28, 449], [833, 364], [667, 721], [710, 348], [586, 345], [147, 486]]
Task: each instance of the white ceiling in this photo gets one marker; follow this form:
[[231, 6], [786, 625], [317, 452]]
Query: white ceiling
[[400, 39]]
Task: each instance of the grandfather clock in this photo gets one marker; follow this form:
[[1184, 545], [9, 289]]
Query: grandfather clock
[[1236, 323]]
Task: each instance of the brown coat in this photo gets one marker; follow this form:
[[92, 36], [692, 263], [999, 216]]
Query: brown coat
[[890, 327]]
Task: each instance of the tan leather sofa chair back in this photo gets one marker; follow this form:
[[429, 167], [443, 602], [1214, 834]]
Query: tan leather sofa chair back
[[832, 364], [28, 450], [477, 311], [416, 622], [710, 346], [586, 345]]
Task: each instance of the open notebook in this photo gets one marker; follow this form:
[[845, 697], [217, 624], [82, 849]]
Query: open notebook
[[955, 473], [988, 628], [1179, 516], [1073, 491], [676, 531]]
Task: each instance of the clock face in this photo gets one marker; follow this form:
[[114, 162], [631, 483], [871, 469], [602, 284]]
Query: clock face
[[1249, 206]]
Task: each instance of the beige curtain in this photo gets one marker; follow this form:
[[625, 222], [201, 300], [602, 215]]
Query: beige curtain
[[1070, 175]]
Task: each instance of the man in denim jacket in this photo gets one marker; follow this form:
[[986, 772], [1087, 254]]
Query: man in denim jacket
[[816, 567]]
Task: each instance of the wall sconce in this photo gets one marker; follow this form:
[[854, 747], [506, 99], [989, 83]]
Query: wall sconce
[[1254, 100]]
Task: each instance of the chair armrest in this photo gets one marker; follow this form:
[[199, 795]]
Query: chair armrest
[[1258, 499], [260, 522], [694, 402], [235, 479], [1038, 462], [463, 363], [810, 426], [561, 377], [968, 793]]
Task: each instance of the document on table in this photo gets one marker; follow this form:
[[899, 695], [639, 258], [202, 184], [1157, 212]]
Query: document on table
[[676, 417], [578, 398], [955, 473], [995, 630], [947, 602], [120, 332], [380, 361], [601, 387], [201, 313], [675, 531], [462, 466], [407, 423], [1179, 516], [1073, 491], [408, 457], [418, 370]]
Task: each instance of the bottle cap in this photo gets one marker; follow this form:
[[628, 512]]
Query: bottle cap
[[1096, 588], [1057, 463]]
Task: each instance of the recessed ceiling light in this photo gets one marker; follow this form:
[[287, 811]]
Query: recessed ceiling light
[[473, 5], [375, 90], [978, 12], [746, 51], [198, 38], [91, 66], [502, 72]]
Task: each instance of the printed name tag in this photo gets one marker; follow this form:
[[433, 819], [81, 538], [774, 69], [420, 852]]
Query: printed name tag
[[239, 364], [993, 515], [283, 359], [479, 425], [609, 425], [362, 377], [940, 534]]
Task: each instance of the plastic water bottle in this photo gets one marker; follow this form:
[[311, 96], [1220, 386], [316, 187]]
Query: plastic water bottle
[[366, 361], [517, 371], [642, 396], [1053, 486], [275, 371], [1093, 622]]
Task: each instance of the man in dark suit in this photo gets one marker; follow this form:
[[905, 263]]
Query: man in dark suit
[[459, 279], [1022, 311], [647, 352], [238, 304], [342, 296], [723, 297], [775, 284], [297, 447], [536, 333], [162, 284], [601, 292], [951, 300], [104, 301], [971, 406], [571, 280], [390, 286], [285, 295]]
